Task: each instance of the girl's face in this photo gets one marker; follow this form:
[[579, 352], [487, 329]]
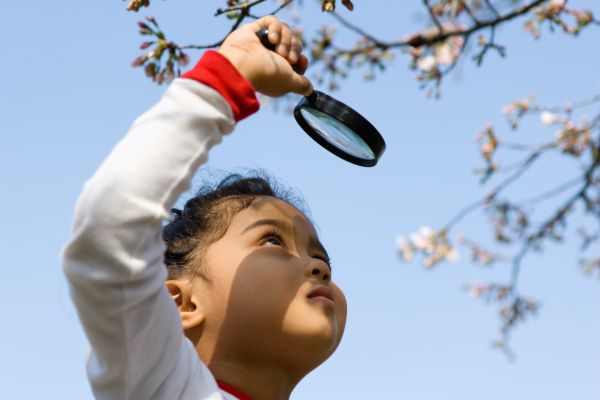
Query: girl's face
[[268, 296]]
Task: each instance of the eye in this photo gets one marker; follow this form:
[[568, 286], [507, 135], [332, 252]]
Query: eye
[[325, 259], [272, 238]]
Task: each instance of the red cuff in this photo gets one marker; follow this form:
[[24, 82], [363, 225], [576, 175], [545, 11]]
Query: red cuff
[[216, 71], [233, 391]]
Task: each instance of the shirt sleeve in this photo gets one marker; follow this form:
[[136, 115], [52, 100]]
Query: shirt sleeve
[[114, 262]]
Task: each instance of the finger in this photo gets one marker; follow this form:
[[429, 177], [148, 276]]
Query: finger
[[272, 24], [300, 84], [301, 65], [285, 43], [295, 50]]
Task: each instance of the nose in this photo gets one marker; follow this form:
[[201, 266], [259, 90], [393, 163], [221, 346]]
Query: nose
[[318, 269]]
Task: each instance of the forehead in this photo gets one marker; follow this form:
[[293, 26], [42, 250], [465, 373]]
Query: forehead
[[266, 207]]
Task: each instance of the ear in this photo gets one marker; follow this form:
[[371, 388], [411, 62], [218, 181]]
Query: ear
[[190, 309]]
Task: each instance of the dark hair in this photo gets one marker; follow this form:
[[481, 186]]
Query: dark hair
[[205, 217]]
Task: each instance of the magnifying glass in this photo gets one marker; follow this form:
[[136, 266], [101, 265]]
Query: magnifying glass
[[336, 126]]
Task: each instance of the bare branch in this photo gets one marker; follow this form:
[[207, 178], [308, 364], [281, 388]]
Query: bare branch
[[281, 7], [470, 12], [244, 10], [426, 40], [503, 185], [356, 29], [551, 193], [238, 7], [434, 18], [491, 7]]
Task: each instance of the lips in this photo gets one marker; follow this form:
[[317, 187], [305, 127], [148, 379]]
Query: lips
[[321, 293]]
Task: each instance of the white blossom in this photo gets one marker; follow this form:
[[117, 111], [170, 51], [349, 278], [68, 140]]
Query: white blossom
[[453, 255], [404, 248], [427, 63], [548, 118]]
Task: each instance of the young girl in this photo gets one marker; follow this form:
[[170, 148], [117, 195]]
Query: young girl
[[246, 306]]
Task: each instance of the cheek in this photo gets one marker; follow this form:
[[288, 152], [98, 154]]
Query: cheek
[[262, 289], [339, 297], [342, 308]]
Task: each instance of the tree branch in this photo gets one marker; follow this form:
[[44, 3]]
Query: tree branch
[[420, 39], [244, 10], [491, 7], [550, 193], [356, 29], [281, 7], [239, 7], [434, 18], [503, 185], [471, 14]]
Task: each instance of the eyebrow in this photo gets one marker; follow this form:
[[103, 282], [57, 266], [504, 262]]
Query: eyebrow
[[281, 224]]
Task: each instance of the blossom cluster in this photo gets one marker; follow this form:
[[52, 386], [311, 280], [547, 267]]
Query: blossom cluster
[[433, 245], [517, 311], [135, 5], [479, 255], [571, 138], [516, 110], [154, 66], [488, 291], [591, 265], [555, 13], [574, 139], [509, 221], [430, 61], [514, 309]]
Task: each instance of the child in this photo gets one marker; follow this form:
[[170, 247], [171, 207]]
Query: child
[[247, 307]]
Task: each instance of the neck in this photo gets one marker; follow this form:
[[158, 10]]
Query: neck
[[264, 383]]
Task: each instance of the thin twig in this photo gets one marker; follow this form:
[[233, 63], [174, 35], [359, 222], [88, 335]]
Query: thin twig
[[491, 7], [357, 29], [244, 6], [567, 107], [561, 212], [503, 185], [433, 16], [244, 12], [550, 193], [516, 267], [516, 146], [468, 10], [281, 7], [517, 164]]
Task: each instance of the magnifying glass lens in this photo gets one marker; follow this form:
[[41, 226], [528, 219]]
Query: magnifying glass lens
[[337, 134]]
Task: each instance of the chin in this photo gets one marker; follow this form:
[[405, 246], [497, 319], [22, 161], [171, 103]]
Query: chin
[[315, 334]]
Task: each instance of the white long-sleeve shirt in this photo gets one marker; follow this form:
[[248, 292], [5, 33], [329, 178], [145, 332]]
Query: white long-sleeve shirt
[[114, 262]]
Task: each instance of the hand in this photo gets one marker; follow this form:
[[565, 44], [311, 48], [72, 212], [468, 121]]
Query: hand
[[270, 72]]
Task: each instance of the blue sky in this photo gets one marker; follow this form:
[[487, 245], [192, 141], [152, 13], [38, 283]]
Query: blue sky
[[68, 95]]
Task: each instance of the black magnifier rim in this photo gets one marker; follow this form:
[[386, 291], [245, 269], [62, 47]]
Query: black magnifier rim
[[346, 115]]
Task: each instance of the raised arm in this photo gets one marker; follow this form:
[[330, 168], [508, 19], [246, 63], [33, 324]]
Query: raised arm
[[114, 263]]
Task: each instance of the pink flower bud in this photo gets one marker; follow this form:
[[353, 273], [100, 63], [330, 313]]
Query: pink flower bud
[[150, 70], [139, 61], [328, 5], [184, 59]]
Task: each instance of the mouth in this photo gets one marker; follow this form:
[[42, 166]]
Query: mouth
[[321, 294]]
